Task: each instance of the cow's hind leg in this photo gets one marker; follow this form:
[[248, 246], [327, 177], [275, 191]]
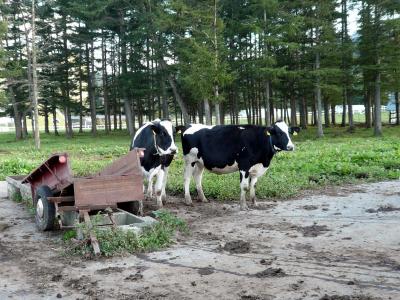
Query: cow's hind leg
[[158, 187], [253, 198], [164, 184], [244, 186], [189, 168], [198, 176]]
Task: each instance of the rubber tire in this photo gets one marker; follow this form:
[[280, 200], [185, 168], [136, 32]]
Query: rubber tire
[[49, 210]]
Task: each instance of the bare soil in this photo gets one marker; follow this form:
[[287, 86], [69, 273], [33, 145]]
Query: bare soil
[[322, 245]]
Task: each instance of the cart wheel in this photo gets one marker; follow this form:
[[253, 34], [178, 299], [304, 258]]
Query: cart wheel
[[45, 211]]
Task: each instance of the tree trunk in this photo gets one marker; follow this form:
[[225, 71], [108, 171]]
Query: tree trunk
[[314, 113], [216, 87], [344, 106], [306, 111], [176, 112], [346, 69], [351, 122], [377, 104], [93, 111], [24, 124], [80, 99], [200, 109], [217, 113], [333, 114], [186, 118], [293, 116], [222, 113], [120, 114], [368, 104], [105, 87], [17, 114], [326, 113], [34, 82], [267, 104], [396, 96], [127, 105], [178, 98], [66, 88], [303, 113], [320, 132], [55, 121], [46, 117], [207, 111], [165, 111]]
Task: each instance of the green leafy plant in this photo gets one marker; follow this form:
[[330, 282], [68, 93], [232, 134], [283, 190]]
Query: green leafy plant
[[117, 241]]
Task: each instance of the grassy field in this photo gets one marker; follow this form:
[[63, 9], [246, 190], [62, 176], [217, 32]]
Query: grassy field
[[340, 157]]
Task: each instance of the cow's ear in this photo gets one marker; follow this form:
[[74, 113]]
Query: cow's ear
[[269, 131], [294, 130], [180, 128], [155, 128]]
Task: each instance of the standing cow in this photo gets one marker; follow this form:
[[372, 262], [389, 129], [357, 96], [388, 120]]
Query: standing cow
[[229, 148], [158, 140]]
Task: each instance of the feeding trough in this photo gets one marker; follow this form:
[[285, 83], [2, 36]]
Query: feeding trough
[[116, 192]]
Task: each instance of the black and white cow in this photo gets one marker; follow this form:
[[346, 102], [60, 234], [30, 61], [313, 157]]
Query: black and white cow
[[225, 149], [158, 140]]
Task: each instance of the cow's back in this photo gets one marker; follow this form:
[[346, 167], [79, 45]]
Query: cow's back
[[217, 146]]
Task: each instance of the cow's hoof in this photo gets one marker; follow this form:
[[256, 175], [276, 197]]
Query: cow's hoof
[[163, 198], [204, 200], [244, 207], [159, 204], [255, 203], [188, 201]]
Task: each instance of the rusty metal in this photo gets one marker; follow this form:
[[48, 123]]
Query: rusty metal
[[54, 173]]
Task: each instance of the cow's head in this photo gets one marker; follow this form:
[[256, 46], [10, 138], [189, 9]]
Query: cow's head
[[280, 138], [163, 133]]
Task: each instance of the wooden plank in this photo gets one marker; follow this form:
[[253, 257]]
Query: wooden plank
[[93, 239], [67, 208], [61, 199], [107, 191], [129, 164]]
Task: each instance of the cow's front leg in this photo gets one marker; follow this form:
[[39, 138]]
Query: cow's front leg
[[253, 198], [158, 187], [198, 175], [164, 184], [149, 193], [187, 175], [244, 186]]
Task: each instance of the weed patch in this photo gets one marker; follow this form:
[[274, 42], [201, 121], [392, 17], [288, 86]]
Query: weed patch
[[118, 241]]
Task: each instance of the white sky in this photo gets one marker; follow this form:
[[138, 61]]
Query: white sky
[[352, 21]]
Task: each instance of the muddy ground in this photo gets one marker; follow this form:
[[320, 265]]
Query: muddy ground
[[336, 244]]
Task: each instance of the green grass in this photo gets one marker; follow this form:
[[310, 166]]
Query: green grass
[[118, 241], [340, 157]]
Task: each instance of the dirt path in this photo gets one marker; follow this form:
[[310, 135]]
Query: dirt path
[[344, 241]]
